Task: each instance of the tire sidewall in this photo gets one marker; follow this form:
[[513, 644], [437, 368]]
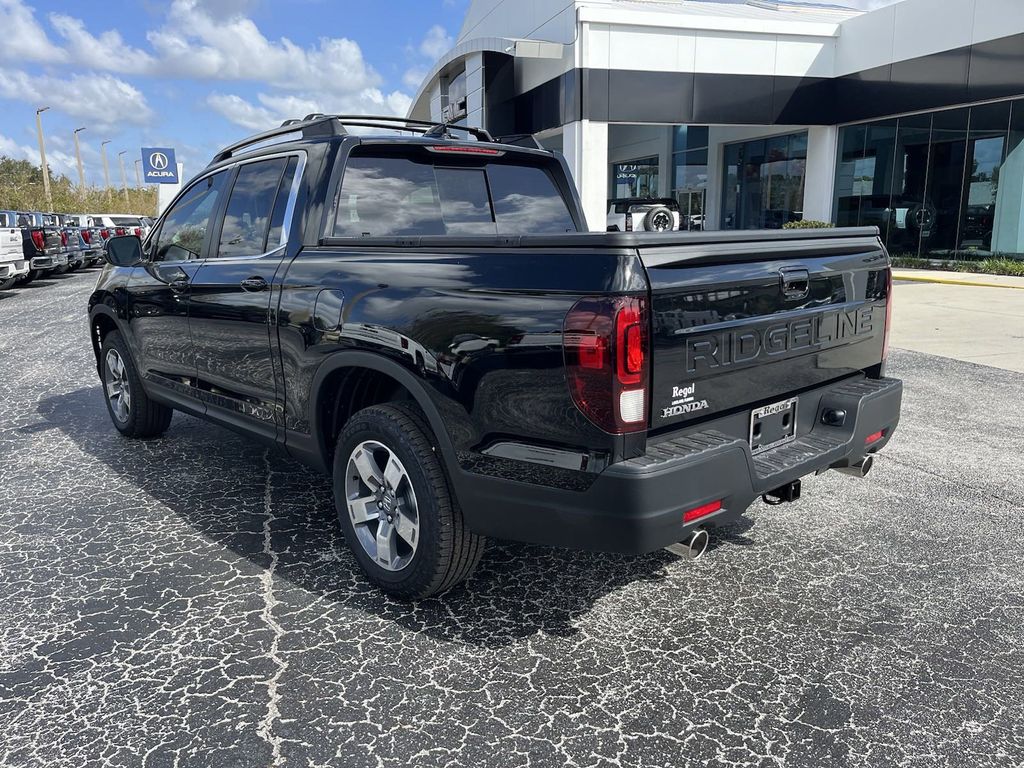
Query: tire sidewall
[[373, 426]]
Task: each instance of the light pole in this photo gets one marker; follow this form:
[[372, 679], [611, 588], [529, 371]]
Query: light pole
[[124, 176], [42, 158], [138, 174], [106, 168], [78, 155]]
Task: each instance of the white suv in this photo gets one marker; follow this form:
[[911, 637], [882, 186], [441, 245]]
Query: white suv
[[643, 214]]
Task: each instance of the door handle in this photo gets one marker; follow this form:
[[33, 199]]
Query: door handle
[[179, 284], [255, 284]]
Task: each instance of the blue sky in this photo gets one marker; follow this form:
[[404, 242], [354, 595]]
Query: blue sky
[[198, 74]]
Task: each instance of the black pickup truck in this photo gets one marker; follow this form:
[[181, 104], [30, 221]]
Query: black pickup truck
[[423, 318]]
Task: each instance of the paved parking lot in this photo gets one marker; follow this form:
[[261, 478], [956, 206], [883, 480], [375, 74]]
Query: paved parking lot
[[189, 602]]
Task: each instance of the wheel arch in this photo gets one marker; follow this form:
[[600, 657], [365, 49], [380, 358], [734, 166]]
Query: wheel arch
[[101, 322], [340, 370]]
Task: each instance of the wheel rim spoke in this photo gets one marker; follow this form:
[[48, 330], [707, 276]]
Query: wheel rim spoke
[[406, 528], [363, 510], [386, 544], [393, 473], [368, 470]]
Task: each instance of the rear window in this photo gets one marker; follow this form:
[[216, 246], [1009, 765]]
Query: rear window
[[387, 195], [125, 221], [5, 220]]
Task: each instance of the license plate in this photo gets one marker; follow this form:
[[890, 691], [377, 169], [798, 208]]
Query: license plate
[[773, 425]]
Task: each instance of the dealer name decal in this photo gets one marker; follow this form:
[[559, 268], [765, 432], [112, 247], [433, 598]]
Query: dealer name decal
[[684, 400]]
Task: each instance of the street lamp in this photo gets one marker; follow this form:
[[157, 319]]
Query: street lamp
[[42, 158], [138, 173], [106, 168], [78, 155], [124, 176]]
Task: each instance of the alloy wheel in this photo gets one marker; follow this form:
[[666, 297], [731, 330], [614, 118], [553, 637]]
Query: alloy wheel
[[382, 505], [118, 391]]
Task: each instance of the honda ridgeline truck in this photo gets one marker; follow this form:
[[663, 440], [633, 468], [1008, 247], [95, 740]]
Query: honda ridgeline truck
[[425, 319]]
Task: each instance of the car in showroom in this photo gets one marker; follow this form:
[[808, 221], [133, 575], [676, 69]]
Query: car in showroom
[[643, 214], [424, 319]]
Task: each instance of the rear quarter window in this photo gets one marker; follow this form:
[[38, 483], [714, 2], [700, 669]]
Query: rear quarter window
[[388, 195]]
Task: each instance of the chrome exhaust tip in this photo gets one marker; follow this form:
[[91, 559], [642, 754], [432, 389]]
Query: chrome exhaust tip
[[860, 469], [693, 547]]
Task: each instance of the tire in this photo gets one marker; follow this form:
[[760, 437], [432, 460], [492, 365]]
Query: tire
[[134, 415], [659, 219], [61, 270], [6, 285], [437, 551], [32, 274]]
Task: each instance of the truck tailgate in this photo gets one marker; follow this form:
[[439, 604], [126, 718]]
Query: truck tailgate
[[745, 324]]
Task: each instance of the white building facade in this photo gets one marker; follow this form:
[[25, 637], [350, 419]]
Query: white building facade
[[754, 114]]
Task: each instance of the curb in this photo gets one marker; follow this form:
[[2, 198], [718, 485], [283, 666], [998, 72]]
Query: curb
[[951, 281]]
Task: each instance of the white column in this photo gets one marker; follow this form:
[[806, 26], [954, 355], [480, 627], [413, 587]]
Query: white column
[[819, 182], [166, 192], [585, 145], [716, 178], [475, 113]]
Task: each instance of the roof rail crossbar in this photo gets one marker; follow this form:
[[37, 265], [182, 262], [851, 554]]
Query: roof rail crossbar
[[317, 124]]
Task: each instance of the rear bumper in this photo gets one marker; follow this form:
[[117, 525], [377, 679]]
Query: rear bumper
[[637, 506], [10, 269]]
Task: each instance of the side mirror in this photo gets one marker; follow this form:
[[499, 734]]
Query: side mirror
[[125, 251]]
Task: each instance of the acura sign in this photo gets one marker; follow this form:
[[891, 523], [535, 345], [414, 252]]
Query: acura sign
[[159, 165]]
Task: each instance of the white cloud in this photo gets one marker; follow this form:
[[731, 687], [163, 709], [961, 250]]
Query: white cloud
[[195, 44], [272, 110], [436, 43], [22, 38], [413, 78], [13, 149], [102, 99], [109, 51]]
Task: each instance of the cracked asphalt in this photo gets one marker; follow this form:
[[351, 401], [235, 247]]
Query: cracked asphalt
[[188, 601]]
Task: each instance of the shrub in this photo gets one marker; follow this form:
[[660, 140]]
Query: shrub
[[807, 224]]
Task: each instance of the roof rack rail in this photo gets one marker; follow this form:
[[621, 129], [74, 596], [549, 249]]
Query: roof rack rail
[[318, 124]]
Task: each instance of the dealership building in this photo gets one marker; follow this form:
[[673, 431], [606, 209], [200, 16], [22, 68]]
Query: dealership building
[[753, 114]]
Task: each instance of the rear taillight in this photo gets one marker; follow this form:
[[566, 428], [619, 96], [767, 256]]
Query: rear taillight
[[119, 231], [629, 222], [63, 237], [138, 232], [607, 360], [888, 314], [105, 234], [874, 437], [38, 240], [86, 235]]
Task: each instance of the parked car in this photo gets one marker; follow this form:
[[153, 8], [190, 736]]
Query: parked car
[[147, 226], [71, 242], [90, 237], [119, 225], [423, 319], [13, 265], [641, 214], [42, 244]]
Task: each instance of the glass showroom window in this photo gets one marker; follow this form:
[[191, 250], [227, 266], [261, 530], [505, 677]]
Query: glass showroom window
[[637, 178], [690, 173], [764, 182], [942, 185]]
